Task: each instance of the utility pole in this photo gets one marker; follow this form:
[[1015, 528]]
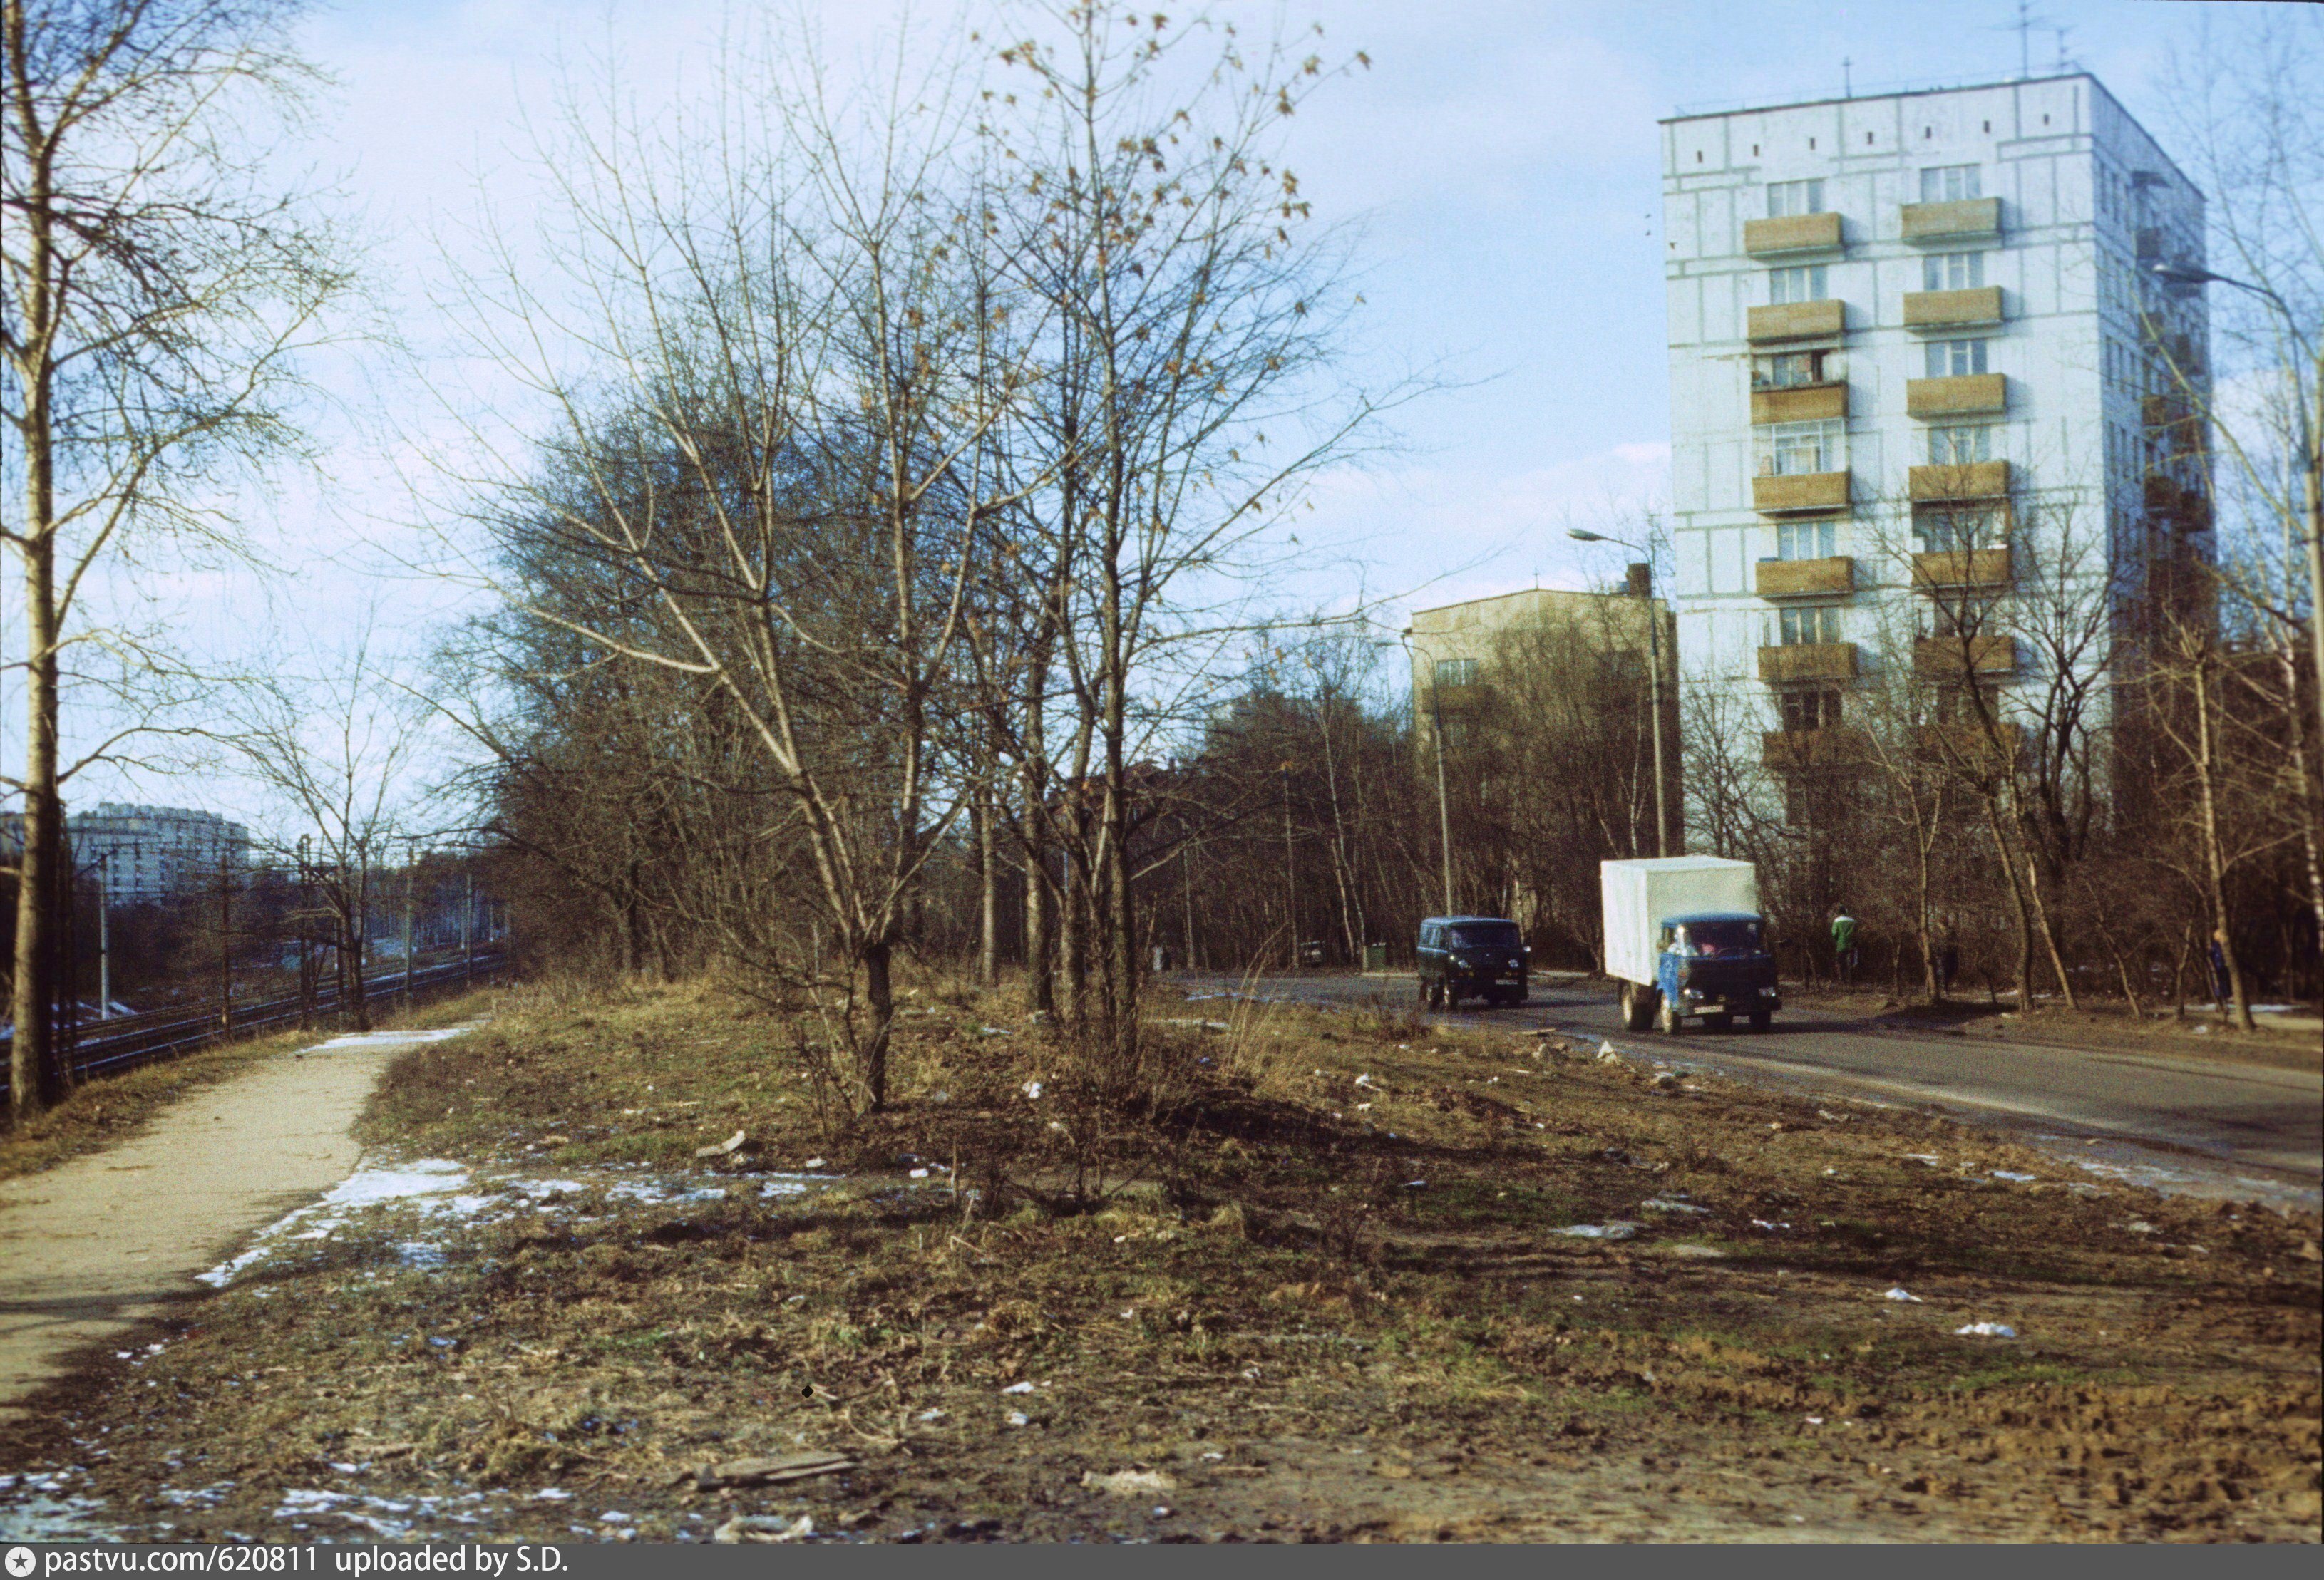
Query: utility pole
[[1187, 890], [306, 944], [1290, 872], [105, 936], [1654, 678], [410, 862], [226, 943]]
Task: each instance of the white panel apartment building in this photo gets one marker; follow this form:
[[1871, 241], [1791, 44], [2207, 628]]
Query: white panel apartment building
[[152, 852], [1917, 367]]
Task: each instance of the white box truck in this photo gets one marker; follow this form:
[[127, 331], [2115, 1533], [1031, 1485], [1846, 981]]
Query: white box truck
[[1685, 937]]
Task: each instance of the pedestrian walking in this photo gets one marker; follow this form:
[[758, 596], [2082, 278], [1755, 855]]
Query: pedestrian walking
[[2222, 989], [1843, 946], [1948, 967]]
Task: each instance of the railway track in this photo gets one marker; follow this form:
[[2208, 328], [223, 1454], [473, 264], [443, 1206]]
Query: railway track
[[124, 1042]]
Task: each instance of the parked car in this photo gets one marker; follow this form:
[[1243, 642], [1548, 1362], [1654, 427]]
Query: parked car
[[1480, 956]]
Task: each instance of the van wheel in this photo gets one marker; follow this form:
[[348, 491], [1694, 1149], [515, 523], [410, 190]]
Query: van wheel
[[1452, 996], [1668, 1020], [1761, 1019], [1422, 992]]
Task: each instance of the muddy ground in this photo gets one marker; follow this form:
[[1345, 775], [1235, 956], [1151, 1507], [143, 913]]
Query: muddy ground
[[1325, 1286]]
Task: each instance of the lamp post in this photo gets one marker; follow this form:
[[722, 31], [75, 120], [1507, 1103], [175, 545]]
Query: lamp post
[[2311, 440], [1654, 678]]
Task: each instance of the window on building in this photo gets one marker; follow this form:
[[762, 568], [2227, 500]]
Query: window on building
[[1808, 710], [1456, 671], [1955, 531], [1955, 616], [1952, 272], [1804, 282], [1456, 732], [1806, 623], [1953, 359], [1961, 444], [1792, 449], [1789, 198], [1791, 370], [1806, 540], [1948, 183]]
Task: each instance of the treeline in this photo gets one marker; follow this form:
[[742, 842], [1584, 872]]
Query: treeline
[[901, 456]]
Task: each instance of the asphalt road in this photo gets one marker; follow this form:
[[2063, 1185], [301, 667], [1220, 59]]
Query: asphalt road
[[2211, 1129]]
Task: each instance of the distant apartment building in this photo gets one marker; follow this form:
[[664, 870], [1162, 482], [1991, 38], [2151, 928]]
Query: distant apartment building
[[1919, 370], [1455, 646], [150, 852]]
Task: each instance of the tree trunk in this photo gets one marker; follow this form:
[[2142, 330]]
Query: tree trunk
[[879, 990], [987, 894], [2214, 862], [2018, 899], [33, 1082]]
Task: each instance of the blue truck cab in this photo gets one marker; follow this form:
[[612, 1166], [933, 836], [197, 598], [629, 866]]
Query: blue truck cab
[[1715, 964]]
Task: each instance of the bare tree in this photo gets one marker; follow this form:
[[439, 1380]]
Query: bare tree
[[335, 749], [159, 285]]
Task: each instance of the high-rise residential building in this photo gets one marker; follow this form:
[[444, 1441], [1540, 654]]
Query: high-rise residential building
[[1922, 382], [152, 852]]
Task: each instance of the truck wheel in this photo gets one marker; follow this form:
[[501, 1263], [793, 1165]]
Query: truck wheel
[[1761, 1019], [1638, 1006], [1668, 1019]]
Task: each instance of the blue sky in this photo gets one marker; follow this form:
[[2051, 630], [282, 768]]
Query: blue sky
[[1500, 157]]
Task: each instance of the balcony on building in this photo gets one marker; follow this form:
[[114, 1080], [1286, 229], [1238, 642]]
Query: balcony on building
[[1793, 233], [2172, 419], [1976, 746], [1796, 321], [1782, 578], [1946, 222], [1985, 655], [1950, 310], [1963, 395], [1960, 479], [1800, 403], [1795, 750], [2171, 503], [1800, 490], [1808, 661], [1961, 567]]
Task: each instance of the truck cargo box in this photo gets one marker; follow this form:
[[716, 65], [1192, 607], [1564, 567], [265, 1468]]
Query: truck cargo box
[[1639, 894]]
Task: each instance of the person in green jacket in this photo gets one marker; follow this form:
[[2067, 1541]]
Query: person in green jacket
[[1843, 946]]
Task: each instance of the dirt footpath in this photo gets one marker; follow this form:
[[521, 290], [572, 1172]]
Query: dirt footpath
[[95, 1245]]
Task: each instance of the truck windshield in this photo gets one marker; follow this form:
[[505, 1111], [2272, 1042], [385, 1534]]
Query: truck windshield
[[1485, 935], [1718, 938]]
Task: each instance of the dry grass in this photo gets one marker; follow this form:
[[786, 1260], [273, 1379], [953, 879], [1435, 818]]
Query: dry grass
[[1309, 1304]]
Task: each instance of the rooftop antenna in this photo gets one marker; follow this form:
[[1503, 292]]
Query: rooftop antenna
[[2062, 32], [1847, 85]]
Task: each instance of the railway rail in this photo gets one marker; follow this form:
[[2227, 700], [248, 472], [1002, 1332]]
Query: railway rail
[[104, 1047]]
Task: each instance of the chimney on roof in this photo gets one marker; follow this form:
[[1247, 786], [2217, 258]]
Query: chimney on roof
[[1640, 581]]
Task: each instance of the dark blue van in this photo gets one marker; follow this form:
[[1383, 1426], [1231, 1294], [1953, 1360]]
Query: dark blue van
[[1478, 956]]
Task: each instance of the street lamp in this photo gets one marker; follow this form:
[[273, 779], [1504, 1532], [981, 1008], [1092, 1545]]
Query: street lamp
[[2312, 439], [1443, 805], [1654, 678]]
